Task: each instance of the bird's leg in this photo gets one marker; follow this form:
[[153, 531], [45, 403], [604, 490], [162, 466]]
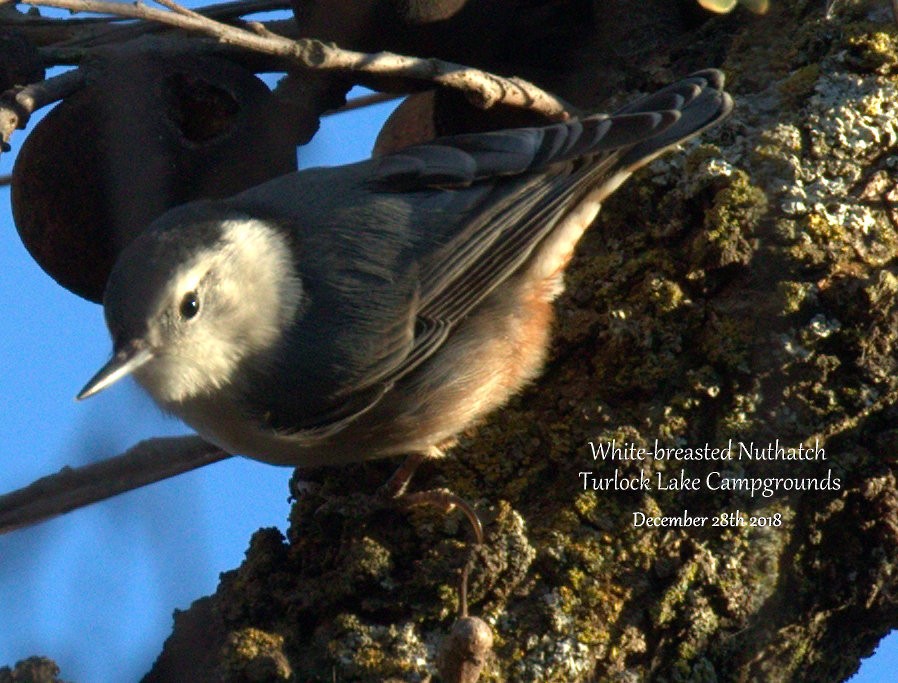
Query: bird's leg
[[398, 483], [445, 501], [442, 499]]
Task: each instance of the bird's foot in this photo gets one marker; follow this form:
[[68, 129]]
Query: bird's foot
[[443, 500]]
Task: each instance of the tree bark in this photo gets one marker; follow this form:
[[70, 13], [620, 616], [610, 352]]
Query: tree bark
[[741, 291], [737, 295]]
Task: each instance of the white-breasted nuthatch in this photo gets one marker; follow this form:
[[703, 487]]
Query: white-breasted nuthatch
[[376, 309]]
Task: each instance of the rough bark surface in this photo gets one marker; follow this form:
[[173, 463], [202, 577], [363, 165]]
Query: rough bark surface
[[742, 289]]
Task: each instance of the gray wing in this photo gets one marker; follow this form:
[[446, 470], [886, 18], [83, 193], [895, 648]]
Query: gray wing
[[396, 251], [571, 159]]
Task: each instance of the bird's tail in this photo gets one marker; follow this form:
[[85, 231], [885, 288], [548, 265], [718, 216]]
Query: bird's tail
[[619, 143], [698, 99]]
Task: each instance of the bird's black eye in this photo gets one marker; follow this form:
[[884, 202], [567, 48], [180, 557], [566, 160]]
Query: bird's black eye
[[190, 305]]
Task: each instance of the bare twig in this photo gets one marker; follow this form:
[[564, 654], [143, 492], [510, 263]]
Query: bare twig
[[17, 105], [364, 101], [73, 33], [483, 89], [71, 488], [240, 8], [5, 180], [84, 32], [41, 30], [179, 9], [11, 17]]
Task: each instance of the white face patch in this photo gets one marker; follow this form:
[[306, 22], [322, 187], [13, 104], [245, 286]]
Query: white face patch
[[248, 293], [263, 269]]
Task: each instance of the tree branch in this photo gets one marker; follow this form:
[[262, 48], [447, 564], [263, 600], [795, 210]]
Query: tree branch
[[363, 101], [91, 32], [483, 89], [71, 488], [223, 12], [17, 105]]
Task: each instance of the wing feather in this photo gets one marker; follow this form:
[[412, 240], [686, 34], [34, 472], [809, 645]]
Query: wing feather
[[450, 221]]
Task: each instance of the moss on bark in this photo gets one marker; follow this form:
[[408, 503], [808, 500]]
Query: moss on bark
[[742, 290]]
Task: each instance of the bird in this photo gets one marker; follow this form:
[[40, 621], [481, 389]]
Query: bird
[[380, 308]]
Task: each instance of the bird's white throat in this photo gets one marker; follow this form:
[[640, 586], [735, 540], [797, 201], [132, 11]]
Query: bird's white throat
[[248, 295]]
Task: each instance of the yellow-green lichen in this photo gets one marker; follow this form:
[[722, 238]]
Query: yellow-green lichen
[[668, 605], [872, 47], [793, 295], [732, 218], [370, 559], [666, 294], [821, 230], [699, 157], [728, 341], [373, 652], [800, 84], [251, 654]]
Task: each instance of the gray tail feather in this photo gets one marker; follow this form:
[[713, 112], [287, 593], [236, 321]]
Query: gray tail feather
[[648, 127], [702, 103], [636, 134]]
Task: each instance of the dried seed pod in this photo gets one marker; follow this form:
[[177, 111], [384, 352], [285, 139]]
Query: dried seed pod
[[411, 123], [20, 62], [149, 131], [465, 650], [427, 115], [426, 11]]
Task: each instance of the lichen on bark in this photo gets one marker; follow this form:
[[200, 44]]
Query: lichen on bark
[[741, 289]]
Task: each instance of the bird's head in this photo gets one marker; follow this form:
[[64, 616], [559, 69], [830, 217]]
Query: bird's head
[[194, 296]]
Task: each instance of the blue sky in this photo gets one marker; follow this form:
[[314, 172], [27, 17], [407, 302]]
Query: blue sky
[[95, 589]]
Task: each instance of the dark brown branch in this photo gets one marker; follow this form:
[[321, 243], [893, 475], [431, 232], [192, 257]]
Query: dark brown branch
[[71, 488], [41, 31], [11, 17], [483, 89], [92, 32], [17, 105], [364, 101], [74, 52]]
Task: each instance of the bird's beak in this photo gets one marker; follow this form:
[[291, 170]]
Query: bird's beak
[[124, 362]]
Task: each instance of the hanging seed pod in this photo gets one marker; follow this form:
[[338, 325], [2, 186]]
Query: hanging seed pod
[[20, 62], [148, 132], [434, 113], [465, 651]]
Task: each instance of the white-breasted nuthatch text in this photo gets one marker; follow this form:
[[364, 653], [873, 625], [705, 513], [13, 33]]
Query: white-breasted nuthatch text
[[376, 309]]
